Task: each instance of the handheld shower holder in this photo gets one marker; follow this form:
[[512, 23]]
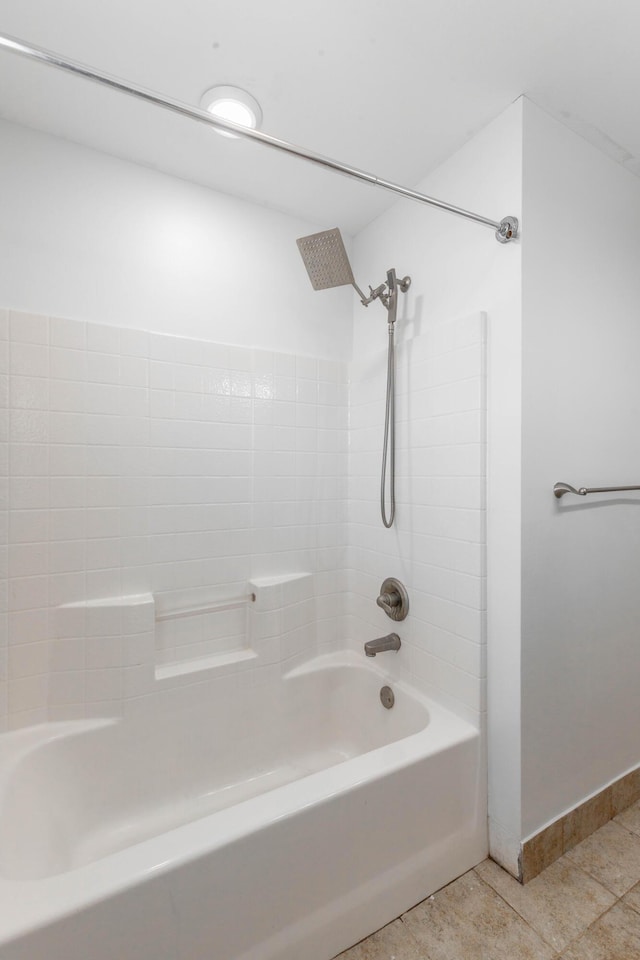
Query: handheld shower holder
[[380, 293], [387, 294]]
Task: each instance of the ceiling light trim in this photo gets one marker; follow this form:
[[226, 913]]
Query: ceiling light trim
[[231, 103]]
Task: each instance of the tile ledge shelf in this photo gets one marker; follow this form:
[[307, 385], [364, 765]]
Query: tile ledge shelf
[[184, 667], [126, 600]]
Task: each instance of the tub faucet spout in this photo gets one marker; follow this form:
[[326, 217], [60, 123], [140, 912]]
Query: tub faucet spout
[[390, 642]]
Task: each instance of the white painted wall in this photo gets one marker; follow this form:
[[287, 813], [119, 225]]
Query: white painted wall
[[581, 407], [458, 270], [89, 237]]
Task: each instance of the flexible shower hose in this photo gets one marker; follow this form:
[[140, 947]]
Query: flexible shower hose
[[389, 439]]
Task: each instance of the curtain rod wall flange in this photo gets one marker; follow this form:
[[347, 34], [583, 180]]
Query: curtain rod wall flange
[[506, 229]]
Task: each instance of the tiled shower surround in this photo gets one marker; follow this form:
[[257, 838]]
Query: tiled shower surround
[[139, 464], [143, 474], [437, 544]]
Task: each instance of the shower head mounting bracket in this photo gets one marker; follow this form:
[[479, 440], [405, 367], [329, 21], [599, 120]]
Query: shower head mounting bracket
[[387, 294]]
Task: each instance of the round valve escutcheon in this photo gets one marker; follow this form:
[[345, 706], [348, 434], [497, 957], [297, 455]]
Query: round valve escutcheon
[[393, 599]]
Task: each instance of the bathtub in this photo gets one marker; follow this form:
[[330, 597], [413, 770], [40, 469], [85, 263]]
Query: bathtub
[[270, 822]]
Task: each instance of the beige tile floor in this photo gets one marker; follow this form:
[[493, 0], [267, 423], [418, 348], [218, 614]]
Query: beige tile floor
[[585, 906]]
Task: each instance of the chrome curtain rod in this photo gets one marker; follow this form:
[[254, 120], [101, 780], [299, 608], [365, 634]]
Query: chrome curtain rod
[[505, 229]]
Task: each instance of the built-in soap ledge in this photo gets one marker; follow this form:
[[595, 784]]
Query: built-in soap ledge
[[282, 621], [128, 615], [280, 590], [101, 655]]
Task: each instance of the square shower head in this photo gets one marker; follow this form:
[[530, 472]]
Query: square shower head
[[326, 259]]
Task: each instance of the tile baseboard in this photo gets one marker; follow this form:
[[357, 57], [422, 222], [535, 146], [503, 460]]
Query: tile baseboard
[[550, 844]]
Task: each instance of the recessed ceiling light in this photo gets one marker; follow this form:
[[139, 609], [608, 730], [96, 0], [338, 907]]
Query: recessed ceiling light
[[234, 104]]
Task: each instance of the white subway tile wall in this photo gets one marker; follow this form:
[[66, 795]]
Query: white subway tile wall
[[437, 545]]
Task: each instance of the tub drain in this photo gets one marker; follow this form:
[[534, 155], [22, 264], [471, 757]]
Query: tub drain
[[387, 698]]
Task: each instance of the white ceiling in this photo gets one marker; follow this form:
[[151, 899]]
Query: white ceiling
[[391, 86]]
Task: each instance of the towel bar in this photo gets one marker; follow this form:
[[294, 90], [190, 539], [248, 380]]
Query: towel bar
[[559, 490]]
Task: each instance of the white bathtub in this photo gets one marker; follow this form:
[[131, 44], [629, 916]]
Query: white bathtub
[[282, 821]]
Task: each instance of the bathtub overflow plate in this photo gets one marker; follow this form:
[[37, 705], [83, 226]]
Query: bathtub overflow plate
[[387, 697]]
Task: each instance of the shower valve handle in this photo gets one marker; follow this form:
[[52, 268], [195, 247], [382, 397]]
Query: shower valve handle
[[386, 600], [393, 599]]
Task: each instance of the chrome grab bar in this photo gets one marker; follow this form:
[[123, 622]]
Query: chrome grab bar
[[559, 490], [230, 604]]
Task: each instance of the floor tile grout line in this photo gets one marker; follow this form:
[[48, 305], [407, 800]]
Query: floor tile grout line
[[577, 939], [510, 907], [598, 880], [618, 899], [615, 820], [517, 912], [630, 906], [424, 954], [576, 866]]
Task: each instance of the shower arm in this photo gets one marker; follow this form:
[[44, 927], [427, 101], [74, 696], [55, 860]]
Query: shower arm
[[506, 229]]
